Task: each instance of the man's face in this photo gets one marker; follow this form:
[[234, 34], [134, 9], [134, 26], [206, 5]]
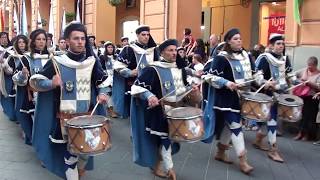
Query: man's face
[[213, 40], [125, 42], [170, 53], [91, 40], [278, 46], [62, 44], [49, 42], [144, 37], [76, 41], [4, 40]]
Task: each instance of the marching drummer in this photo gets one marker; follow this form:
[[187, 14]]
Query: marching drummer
[[274, 67], [131, 60], [230, 67], [148, 120], [69, 86]]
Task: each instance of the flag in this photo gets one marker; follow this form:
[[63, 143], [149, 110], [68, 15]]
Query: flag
[[63, 22], [296, 11], [78, 11], [39, 21], [24, 23], [51, 24], [1, 21], [15, 20]]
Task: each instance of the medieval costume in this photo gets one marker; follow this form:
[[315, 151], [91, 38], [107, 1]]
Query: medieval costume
[[273, 66], [230, 66], [149, 125], [107, 61], [7, 90], [83, 79], [133, 57]]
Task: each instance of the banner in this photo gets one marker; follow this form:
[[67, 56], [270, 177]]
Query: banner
[[276, 24]]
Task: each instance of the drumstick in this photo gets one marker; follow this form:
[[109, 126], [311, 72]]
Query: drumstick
[[255, 93], [297, 85], [95, 107], [245, 82]]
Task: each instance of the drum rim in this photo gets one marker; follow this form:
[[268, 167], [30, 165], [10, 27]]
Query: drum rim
[[105, 121], [184, 118], [283, 96], [256, 100]]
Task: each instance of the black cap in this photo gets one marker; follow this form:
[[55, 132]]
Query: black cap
[[142, 28], [167, 43], [230, 34], [181, 48], [275, 37], [124, 38]]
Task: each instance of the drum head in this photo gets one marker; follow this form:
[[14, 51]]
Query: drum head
[[87, 121], [184, 113], [290, 100], [259, 97]]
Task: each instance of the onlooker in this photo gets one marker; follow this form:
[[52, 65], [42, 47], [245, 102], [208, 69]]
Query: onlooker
[[311, 77], [256, 51], [188, 39], [317, 96], [213, 44], [198, 48]]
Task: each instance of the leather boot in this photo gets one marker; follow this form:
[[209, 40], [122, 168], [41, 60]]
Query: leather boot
[[243, 164], [112, 113], [258, 142], [274, 154], [221, 155]]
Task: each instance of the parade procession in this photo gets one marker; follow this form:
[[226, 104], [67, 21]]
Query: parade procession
[[80, 88]]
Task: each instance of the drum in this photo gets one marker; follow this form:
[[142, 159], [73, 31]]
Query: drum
[[88, 135], [185, 124], [289, 107], [256, 107]]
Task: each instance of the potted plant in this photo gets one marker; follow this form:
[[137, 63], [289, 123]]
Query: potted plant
[[115, 2], [70, 16]]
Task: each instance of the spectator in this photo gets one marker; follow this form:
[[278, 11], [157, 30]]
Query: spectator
[[213, 44], [311, 77], [198, 48]]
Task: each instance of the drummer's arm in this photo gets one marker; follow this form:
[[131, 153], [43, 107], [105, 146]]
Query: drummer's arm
[[124, 59], [19, 78], [214, 76], [99, 76], [44, 80]]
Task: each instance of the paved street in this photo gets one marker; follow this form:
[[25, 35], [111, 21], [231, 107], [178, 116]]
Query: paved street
[[193, 162]]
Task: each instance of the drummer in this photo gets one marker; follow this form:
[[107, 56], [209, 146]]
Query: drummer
[[149, 124], [231, 66], [272, 64], [69, 86]]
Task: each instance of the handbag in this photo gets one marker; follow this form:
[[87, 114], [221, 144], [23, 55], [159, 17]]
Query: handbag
[[301, 91]]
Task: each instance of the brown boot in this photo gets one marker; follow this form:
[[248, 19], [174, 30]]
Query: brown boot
[[172, 175], [244, 166], [157, 171], [112, 113], [299, 136], [221, 155], [81, 172], [274, 154], [258, 142]]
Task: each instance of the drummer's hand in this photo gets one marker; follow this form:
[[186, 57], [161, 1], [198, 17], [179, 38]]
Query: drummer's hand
[[199, 73], [153, 101], [134, 73], [56, 81], [270, 84], [195, 87], [103, 98], [232, 86], [25, 72]]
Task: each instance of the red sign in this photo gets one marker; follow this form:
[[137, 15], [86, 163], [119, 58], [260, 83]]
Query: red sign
[[276, 24]]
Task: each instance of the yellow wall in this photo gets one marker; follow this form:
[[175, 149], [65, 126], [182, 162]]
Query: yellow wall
[[230, 14], [105, 23], [125, 14]]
